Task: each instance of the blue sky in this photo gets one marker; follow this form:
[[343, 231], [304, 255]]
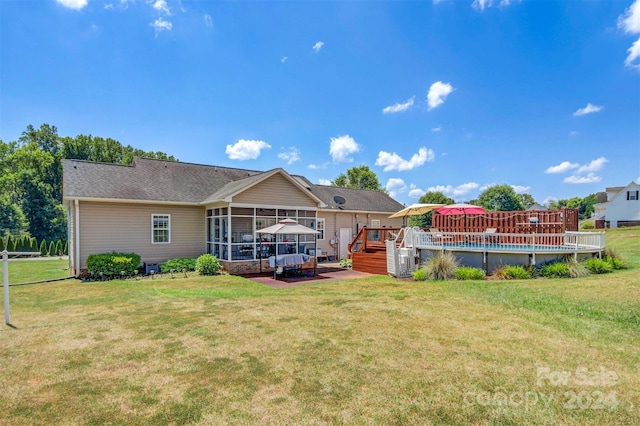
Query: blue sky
[[434, 95]]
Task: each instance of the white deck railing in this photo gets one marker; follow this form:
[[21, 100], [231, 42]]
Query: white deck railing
[[480, 241]]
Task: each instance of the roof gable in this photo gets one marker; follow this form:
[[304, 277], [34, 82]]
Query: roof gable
[[622, 193], [236, 188]]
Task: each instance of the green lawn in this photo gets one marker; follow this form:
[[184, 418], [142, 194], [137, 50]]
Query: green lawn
[[33, 270], [373, 351]]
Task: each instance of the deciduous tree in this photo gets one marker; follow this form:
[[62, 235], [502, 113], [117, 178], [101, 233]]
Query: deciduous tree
[[435, 197], [359, 177], [500, 198]]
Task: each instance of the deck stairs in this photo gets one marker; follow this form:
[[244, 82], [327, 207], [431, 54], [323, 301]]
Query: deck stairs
[[372, 247]]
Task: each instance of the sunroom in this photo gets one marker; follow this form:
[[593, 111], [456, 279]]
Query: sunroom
[[233, 238]]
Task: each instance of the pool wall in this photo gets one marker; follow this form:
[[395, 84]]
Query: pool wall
[[498, 259]]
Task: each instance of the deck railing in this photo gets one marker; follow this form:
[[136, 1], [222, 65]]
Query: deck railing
[[366, 238], [569, 241]]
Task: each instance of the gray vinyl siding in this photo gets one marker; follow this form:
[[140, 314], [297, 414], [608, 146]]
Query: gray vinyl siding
[[107, 227], [275, 190]]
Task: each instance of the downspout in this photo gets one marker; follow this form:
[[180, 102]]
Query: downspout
[[77, 237]]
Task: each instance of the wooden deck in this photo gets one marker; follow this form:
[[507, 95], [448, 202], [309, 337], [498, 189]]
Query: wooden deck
[[373, 260]]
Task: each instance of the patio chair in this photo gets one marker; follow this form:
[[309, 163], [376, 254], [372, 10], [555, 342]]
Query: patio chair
[[436, 235], [489, 235]]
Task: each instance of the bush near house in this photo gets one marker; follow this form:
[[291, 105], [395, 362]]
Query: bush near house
[[113, 265], [207, 264], [178, 265], [419, 275]]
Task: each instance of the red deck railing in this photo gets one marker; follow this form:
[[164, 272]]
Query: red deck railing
[[371, 239]]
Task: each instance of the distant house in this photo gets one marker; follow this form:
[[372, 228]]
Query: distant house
[[618, 206], [163, 209], [536, 207]]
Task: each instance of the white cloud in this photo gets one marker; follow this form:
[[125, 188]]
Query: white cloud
[[590, 178], [562, 167], [392, 161], [318, 166], [395, 186], [246, 149], [573, 133], [630, 21], [436, 129], [455, 192], [438, 92], [481, 4], [284, 59], [634, 53], [73, 4], [326, 182], [578, 177], [160, 25], [316, 47], [208, 20], [589, 109], [464, 189], [415, 192], [161, 6], [291, 155], [398, 107], [342, 147], [520, 189], [124, 4], [593, 166]]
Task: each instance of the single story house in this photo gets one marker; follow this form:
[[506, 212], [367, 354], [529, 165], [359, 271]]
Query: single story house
[[618, 206], [165, 209]]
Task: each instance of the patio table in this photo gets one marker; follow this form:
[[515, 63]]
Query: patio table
[[291, 262]]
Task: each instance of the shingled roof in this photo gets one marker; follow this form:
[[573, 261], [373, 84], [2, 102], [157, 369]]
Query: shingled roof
[[149, 180]]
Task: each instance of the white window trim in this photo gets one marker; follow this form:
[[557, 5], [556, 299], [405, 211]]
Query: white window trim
[[375, 223], [324, 231], [153, 216]]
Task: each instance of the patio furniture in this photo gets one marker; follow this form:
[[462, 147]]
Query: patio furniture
[[285, 264], [489, 235], [437, 236]]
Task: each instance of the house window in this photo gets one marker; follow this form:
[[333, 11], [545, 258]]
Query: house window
[[160, 229], [320, 228], [632, 195], [375, 223]]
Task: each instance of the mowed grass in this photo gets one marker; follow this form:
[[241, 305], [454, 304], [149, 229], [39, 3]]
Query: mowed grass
[[34, 270], [227, 350]]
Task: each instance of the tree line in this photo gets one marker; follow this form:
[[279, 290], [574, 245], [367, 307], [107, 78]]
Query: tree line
[[31, 178]]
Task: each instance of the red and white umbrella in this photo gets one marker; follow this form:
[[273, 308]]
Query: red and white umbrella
[[462, 208]]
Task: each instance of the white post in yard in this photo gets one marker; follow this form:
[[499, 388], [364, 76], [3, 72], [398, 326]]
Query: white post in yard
[[5, 267]]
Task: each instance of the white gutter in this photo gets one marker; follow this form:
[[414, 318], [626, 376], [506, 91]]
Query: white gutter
[[77, 237]]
